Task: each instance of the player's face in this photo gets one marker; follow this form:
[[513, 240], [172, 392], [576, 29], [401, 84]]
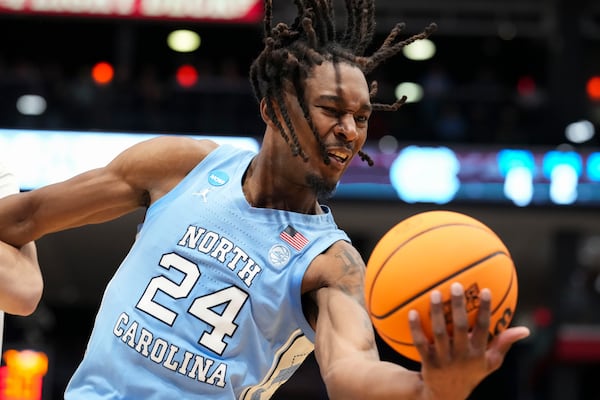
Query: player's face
[[337, 98]]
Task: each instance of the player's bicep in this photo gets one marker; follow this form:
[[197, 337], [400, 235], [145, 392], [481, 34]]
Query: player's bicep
[[135, 178], [343, 326]]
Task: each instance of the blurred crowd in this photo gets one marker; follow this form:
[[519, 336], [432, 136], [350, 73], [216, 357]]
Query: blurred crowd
[[480, 109], [221, 101]]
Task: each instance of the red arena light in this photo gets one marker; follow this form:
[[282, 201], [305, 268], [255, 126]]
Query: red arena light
[[103, 73], [526, 86], [187, 75], [593, 88]]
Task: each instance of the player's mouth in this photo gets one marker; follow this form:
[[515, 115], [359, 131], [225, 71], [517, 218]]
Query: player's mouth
[[338, 156]]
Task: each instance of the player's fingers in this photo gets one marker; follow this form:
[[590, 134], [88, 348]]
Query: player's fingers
[[502, 343], [480, 334], [420, 341], [439, 328], [460, 334]]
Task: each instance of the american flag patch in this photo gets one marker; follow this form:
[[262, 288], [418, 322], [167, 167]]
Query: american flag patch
[[294, 238]]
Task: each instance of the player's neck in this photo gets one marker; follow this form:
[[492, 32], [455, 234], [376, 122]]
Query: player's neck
[[264, 189]]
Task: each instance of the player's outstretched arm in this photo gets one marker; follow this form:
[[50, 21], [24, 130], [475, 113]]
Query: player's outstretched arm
[[345, 346], [21, 283], [348, 358], [135, 178]]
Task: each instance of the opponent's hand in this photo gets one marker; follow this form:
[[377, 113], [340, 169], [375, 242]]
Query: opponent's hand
[[455, 363]]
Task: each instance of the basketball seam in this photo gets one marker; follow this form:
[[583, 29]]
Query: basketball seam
[[412, 238], [508, 290], [500, 303], [421, 293]]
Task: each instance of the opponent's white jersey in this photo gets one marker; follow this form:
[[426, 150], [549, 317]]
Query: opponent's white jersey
[[207, 304]]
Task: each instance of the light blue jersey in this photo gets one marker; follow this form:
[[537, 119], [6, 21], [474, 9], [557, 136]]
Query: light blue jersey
[[207, 304]]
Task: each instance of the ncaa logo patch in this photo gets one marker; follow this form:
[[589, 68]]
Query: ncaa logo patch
[[218, 178], [279, 255]]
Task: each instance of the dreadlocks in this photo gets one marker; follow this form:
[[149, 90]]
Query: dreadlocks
[[291, 52]]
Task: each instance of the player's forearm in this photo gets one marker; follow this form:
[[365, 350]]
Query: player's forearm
[[21, 282], [373, 380], [15, 228], [92, 197]]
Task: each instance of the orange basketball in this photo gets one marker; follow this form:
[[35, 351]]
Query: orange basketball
[[431, 250]]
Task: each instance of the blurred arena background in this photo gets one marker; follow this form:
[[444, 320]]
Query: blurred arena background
[[505, 99]]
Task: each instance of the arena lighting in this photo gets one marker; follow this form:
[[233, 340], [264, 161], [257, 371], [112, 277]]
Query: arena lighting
[[22, 376], [593, 167], [420, 50], [388, 144], [526, 86], [517, 166], [31, 104], [186, 76], [41, 157], [467, 174], [103, 73], [563, 168], [183, 41], [580, 131], [412, 91], [425, 174], [593, 88]]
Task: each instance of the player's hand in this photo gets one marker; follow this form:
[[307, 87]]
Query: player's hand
[[454, 363]]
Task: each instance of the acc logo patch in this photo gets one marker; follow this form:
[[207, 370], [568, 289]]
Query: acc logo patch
[[218, 178], [279, 255]]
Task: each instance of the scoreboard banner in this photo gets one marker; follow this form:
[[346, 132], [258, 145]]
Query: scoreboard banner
[[409, 173], [520, 176], [238, 11]]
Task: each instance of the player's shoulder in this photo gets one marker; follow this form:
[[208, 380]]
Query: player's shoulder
[[341, 246], [344, 256], [167, 151], [338, 265], [183, 144], [159, 163]]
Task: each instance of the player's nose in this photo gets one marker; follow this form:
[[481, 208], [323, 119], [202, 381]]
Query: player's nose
[[346, 128]]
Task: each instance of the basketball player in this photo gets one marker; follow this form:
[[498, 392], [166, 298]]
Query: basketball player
[[239, 270], [21, 282]]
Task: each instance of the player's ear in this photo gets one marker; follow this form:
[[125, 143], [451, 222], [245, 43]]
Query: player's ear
[[264, 113]]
